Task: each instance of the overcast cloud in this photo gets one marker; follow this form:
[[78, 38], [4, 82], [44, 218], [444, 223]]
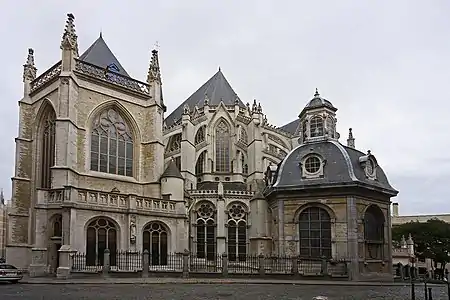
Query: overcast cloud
[[384, 64]]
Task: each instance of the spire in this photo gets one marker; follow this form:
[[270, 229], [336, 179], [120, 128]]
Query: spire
[[70, 39], [2, 198], [29, 69], [154, 72], [316, 94], [351, 139]]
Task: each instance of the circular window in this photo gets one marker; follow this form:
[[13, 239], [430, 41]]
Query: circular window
[[312, 164]]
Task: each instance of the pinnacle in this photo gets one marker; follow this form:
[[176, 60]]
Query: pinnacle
[[70, 39]]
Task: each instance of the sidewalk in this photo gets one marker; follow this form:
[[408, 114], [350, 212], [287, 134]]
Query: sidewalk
[[154, 280]]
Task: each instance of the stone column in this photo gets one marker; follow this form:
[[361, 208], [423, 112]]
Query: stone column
[[352, 239], [38, 266]]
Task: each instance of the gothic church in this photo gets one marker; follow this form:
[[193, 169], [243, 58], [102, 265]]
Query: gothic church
[[100, 165]]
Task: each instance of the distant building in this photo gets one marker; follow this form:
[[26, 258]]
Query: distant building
[[398, 219]]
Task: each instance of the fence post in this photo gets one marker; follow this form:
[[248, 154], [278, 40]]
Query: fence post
[[224, 265], [425, 286], [262, 267], [294, 268], [145, 263], [186, 263], [106, 263], [430, 294], [324, 267]]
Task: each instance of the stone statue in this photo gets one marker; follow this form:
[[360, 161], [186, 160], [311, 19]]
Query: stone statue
[[133, 229]]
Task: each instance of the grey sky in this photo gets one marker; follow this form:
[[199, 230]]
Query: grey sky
[[383, 64]]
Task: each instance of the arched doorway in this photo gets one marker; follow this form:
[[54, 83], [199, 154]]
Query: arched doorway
[[101, 234], [154, 240]]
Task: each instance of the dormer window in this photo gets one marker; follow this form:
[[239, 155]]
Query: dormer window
[[316, 127], [369, 164], [312, 166]]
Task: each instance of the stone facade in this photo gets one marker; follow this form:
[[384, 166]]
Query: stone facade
[[98, 166]]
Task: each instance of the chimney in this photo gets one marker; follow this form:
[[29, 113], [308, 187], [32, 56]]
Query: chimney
[[395, 209]]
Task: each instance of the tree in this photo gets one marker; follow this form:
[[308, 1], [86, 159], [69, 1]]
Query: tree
[[431, 239]]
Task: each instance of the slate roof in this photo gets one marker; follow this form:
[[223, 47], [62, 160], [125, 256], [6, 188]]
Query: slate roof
[[342, 168], [172, 171], [291, 127], [217, 88], [100, 55]]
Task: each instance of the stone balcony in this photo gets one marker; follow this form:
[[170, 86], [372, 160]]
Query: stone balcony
[[77, 197]]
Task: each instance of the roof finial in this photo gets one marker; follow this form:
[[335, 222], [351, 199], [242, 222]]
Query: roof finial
[[70, 39], [101, 33], [154, 72], [29, 69], [156, 46], [351, 139], [316, 94], [219, 69]]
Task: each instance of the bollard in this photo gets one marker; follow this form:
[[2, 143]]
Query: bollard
[[430, 295]]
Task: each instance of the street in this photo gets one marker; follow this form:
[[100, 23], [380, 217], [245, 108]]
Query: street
[[207, 292]]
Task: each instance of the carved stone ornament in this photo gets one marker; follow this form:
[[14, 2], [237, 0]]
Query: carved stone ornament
[[133, 229]]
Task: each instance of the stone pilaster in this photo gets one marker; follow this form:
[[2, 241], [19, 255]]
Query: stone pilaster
[[352, 239]]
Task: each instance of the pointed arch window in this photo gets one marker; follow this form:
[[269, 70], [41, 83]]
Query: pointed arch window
[[57, 226], [101, 235], [243, 137], [206, 231], [200, 165], [222, 147], [200, 135], [244, 165], [316, 126], [111, 144], [174, 143], [237, 232], [48, 147], [154, 240]]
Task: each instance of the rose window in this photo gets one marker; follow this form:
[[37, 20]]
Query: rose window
[[237, 211], [205, 211]]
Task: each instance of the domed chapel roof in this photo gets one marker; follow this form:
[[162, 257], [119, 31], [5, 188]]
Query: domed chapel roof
[[329, 164]]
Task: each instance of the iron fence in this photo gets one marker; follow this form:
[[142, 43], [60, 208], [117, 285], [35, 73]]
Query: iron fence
[[208, 264], [129, 261]]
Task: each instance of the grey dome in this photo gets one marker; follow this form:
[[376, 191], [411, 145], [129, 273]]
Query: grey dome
[[342, 166], [317, 102]]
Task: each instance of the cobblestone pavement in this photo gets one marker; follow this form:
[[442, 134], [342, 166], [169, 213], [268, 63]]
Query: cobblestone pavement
[[208, 291]]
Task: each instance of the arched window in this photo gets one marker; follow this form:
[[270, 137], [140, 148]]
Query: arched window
[[237, 232], [57, 226], [244, 165], [174, 143], [330, 127], [374, 232], [101, 234], [316, 127], [154, 240], [222, 147], [111, 144], [200, 165], [48, 146], [206, 232], [315, 233], [243, 136], [200, 135]]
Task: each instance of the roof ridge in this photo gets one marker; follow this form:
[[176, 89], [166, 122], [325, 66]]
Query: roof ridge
[[217, 88]]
